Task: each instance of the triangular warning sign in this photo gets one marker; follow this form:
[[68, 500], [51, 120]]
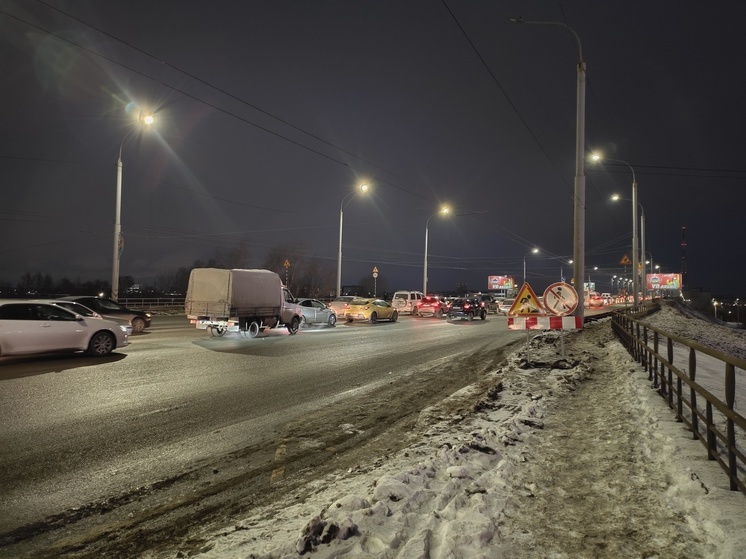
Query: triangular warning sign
[[625, 260], [526, 303]]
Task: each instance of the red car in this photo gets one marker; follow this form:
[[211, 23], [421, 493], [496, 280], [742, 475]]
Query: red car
[[431, 306]]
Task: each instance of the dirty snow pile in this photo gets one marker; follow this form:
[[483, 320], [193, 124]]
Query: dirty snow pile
[[565, 456]]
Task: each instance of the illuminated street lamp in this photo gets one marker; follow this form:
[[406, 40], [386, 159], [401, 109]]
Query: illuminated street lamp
[[635, 299], [642, 253], [362, 189], [144, 121], [445, 210], [532, 251], [579, 195]]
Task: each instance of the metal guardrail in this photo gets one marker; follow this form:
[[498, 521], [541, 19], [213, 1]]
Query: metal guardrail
[[712, 421], [146, 303]]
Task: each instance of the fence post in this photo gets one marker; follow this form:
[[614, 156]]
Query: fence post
[[645, 353], [670, 372], [693, 392], [655, 348], [730, 401]]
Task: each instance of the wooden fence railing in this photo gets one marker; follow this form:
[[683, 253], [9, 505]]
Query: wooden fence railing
[[671, 362]]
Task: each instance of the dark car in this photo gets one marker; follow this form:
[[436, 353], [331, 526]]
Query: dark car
[[486, 301], [139, 320], [467, 309]]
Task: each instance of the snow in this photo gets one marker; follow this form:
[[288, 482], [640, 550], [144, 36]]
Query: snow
[[568, 457]]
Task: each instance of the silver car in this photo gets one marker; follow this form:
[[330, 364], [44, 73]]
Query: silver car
[[315, 312], [32, 327]]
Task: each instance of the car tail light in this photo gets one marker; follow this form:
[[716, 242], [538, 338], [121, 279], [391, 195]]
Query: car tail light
[[467, 305]]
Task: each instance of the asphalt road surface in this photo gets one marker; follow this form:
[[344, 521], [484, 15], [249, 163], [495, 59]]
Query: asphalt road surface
[[122, 455]]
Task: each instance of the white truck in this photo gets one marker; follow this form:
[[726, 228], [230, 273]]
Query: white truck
[[246, 301]]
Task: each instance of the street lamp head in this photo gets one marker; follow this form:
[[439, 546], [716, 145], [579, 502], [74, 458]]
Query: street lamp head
[[147, 119], [596, 156], [616, 197], [445, 210], [517, 20], [364, 187], [534, 251]]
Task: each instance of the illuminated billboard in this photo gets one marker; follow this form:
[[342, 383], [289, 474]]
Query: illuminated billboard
[[500, 282], [663, 281]]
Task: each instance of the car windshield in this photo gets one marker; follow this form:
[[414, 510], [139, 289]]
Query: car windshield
[[110, 305]]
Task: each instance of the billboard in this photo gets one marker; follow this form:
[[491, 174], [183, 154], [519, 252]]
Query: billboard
[[663, 281], [500, 282]]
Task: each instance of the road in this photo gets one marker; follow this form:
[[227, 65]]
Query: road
[[180, 427]]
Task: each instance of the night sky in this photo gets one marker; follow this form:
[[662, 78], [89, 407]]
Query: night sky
[[270, 113]]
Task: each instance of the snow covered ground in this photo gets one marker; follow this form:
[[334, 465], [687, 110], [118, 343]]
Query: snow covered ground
[[562, 458]]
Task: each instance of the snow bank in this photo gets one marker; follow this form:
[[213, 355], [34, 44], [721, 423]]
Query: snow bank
[[563, 457]]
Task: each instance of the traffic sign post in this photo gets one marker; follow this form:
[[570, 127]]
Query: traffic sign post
[[375, 280], [560, 300]]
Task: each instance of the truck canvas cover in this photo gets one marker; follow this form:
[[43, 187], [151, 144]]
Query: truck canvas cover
[[219, 293]]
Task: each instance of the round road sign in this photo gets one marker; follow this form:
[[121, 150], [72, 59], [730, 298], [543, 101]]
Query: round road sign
[[560, 299]]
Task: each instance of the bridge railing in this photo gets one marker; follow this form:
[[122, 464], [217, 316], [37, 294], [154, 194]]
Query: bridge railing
[[706, 406], [154, 303]]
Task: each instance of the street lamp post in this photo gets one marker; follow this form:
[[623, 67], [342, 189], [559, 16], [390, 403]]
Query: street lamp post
[[532, 251], [144, 120], [363, 188], [445, 210], [635, 242], [579, 195]]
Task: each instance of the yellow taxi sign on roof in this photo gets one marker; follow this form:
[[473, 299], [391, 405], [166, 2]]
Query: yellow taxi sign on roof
[[526, 302]]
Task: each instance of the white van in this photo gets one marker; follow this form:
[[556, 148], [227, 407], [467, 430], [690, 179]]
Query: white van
[[406, 301]]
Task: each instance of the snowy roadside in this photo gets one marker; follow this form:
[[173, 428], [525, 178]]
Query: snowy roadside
[[560, 458]]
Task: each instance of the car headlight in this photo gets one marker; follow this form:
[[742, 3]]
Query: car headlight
[[123, 328], [147, 314]]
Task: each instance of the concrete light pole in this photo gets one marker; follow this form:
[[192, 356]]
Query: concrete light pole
[[145, 121], [579, 196], [445, 210], [635, 242], [362, 189], [532, 251]]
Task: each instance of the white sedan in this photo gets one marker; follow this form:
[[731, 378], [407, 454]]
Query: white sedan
[[29, 327]]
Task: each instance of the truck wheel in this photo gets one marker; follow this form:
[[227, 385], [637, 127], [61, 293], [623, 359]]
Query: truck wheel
[[293, 326], [415, 311], [395, 316], [253, 329], [484, 315], [470, 316], [217, 331]]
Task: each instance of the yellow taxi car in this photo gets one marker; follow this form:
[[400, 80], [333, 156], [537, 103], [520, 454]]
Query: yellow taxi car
[[371, 310]]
